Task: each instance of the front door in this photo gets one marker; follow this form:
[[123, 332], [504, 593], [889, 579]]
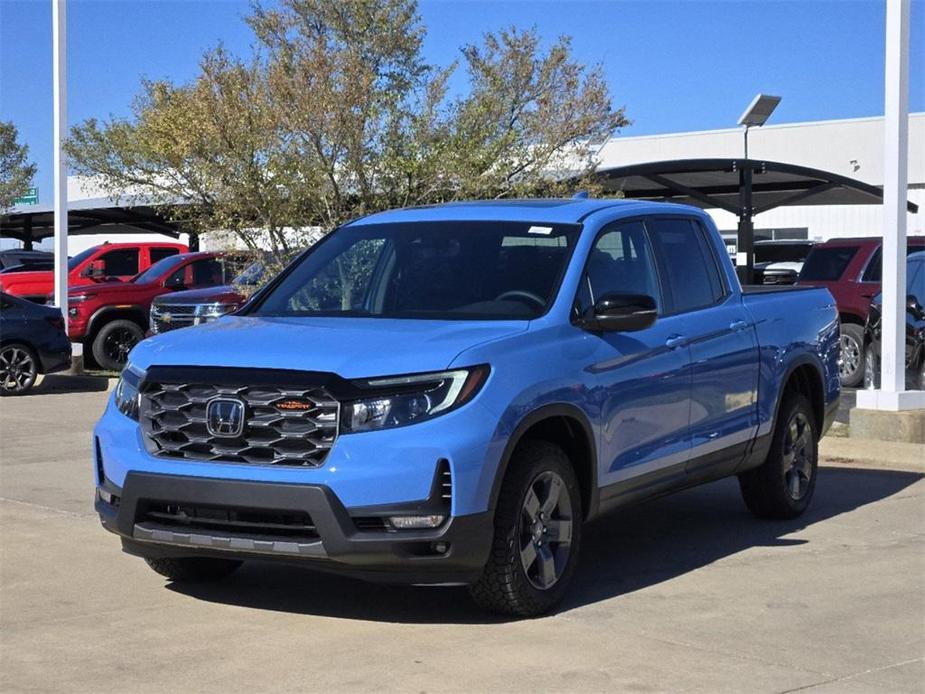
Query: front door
[[642, 379]]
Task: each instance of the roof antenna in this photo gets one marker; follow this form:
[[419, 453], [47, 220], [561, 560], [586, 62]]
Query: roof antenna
[[581, 195]]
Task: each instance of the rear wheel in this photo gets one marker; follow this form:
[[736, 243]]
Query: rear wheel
[[783, 486], [537, 534], [851, 355], [18, 369], [194, 569], [113, 343]]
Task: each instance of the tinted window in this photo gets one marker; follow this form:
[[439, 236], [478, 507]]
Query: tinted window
[[207, 272], [874, 270], [620, 262], [827, 263], [690, 275], [915, 280], [161, 253], [118, 263], [436, 270]]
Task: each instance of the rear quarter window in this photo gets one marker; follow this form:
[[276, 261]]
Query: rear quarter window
[[827, 264]]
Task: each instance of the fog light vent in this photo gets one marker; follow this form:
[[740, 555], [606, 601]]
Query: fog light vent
[[416, 522]]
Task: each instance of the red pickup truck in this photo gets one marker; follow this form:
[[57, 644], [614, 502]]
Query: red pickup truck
[[111, 317], [850, 269], [107, 262]]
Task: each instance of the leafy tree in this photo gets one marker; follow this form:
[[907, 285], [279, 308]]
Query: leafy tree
[[16, 172], [337, 115]]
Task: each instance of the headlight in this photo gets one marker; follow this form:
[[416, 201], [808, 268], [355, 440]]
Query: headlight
[[408, 399], [126, 395], [208, 312]]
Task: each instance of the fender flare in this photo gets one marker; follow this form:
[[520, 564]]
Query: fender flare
[[100, 316], [801, 360], [561, 409]]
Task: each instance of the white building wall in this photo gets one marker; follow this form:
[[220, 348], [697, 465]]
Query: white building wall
[[852, 148]]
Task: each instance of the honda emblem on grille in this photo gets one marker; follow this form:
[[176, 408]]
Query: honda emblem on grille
[[225, 417]]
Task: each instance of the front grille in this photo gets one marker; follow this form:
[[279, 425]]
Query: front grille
[[171, 317], [276, 430], [253, 523]]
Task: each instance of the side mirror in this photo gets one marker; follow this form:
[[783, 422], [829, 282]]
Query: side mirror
[[621, 312], [913, 306], [175, 282], [96, 269]]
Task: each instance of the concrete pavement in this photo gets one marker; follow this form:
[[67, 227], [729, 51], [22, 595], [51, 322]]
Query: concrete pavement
[[688, 593]]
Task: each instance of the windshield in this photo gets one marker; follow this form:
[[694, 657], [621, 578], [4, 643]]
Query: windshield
[[435, 270], [75, 262], [159, 268]]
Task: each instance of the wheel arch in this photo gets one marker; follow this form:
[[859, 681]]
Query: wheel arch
[[567, 426], [107, 314], [804, 376]]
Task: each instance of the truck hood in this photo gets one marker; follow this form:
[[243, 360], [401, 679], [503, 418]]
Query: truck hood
[[226, 293], [349, 347]]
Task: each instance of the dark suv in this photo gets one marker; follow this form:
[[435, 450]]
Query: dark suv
[[850, 269]]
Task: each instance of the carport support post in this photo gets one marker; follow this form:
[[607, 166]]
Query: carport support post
[[27, 233], [892, 395], [59, 56], [745, 242]]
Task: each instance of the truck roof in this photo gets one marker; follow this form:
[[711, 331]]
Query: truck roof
[[553, 210]]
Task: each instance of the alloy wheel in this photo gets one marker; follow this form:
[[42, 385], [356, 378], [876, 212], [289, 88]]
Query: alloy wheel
[[118, 344], [798, 456], [17, 369], [546, 530], [849, 360]]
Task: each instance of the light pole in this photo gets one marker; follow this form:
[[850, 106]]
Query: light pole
[[59, 79], [757, 114]]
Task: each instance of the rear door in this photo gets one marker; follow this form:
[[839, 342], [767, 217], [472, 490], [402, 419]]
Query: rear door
[[721, 337]]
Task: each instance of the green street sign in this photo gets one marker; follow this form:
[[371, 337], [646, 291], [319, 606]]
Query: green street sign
[[30, 198]]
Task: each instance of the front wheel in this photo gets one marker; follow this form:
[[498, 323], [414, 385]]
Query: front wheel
[[537, 534], [783, 486], [113, 343]]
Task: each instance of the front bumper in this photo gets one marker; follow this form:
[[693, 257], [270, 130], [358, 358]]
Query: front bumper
[[455, 552]]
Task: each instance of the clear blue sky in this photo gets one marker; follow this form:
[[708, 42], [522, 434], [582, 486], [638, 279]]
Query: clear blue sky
[[675, 65]]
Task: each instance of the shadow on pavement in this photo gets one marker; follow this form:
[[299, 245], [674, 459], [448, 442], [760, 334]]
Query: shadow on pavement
[[69, 383], [622, 552]]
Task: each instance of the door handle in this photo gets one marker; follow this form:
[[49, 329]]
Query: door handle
[[675, 341], [738, 325]]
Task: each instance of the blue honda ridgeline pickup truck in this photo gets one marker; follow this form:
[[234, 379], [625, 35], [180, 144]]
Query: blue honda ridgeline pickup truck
[[445, 394]]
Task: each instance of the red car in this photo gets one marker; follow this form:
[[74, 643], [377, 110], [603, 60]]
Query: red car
[[110, 318], [107, 262], [850, 269]]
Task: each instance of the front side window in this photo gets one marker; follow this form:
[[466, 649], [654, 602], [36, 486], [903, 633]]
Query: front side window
[[428, 270], [207, 272], [688, 268], [120, 263], [827, 264], [620, 263]]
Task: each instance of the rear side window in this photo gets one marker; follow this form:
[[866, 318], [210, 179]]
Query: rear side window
[[123, 261], [690, 276], [161, 253], [827, 264], [874, 270]]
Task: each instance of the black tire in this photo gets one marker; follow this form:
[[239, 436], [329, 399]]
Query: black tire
[[194, 569], [783, 486], [114, 341], [507, 586], [18, 368], [851, 357]]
